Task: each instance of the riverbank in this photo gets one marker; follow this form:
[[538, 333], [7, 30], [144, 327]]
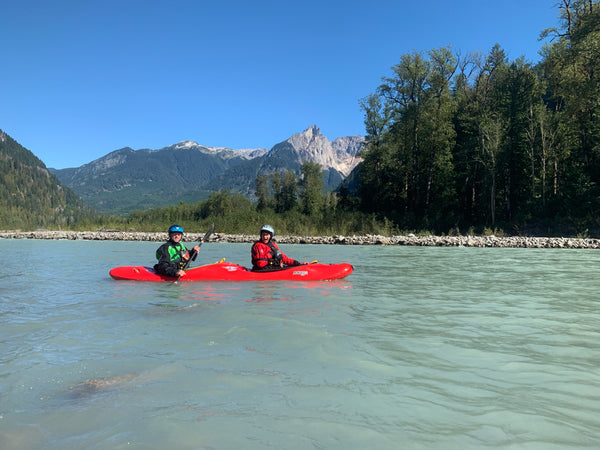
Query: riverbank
[[412, 240]]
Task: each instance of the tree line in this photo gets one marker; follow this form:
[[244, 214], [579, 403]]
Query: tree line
[[293, 204], [460, 141]]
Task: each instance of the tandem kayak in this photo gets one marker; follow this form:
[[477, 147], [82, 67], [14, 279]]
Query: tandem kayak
[[226, 271]]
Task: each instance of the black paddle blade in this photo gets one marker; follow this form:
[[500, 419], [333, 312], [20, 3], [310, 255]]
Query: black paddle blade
[[209, 232]]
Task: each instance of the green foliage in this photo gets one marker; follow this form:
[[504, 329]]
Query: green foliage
[[261, 192], [236, 214], [284, 187], [311, 185], [408, 162]]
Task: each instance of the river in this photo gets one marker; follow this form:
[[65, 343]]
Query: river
[[419, 348]]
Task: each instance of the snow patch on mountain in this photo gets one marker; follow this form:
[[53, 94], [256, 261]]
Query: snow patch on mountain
[[223, 152]]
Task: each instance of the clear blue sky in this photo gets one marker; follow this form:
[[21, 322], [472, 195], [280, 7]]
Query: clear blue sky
[[79, 79]]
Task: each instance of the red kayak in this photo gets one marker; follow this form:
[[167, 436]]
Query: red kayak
[[226, 271]]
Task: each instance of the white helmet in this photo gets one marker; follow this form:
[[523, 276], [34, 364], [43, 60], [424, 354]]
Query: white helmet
[[268, 229]]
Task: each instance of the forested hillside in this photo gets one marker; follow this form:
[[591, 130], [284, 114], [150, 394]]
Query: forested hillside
[[460, 141], [30, 196]]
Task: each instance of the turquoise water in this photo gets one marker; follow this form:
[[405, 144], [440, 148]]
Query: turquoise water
[[419, 348]]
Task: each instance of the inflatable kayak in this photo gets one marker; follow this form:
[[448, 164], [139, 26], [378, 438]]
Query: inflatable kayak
[[226, 271]]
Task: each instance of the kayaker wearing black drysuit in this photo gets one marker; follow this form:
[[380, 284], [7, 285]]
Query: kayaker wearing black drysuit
[[266, 254], [173, 255]]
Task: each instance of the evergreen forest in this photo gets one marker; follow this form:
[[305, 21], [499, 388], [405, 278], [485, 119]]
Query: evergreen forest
[[477, 140]]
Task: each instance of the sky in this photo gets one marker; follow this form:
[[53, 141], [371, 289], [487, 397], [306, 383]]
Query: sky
[[80, 79]]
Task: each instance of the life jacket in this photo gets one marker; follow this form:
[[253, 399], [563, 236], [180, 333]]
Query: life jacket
[[176, 253], [274, 256]]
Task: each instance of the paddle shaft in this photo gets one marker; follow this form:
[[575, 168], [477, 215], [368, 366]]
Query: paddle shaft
[[194, 253]]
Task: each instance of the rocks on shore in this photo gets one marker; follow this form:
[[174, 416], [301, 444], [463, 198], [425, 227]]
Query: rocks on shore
[[412, 240]]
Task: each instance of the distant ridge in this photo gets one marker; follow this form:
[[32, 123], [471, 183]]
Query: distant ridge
[[125, 180]]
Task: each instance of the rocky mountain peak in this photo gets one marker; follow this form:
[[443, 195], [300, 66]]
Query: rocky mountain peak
[[312, 130], [340, 154], [311, 136]]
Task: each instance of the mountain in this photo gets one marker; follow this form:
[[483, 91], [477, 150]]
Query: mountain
[[126, 179], [337, 159], [339, 155], [31, 196]]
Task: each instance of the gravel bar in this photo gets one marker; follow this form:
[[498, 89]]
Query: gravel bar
[[411, 240]]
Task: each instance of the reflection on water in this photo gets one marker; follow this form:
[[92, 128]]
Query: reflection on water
[[418, 348]]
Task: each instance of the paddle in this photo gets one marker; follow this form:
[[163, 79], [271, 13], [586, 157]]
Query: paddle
[[194, 253]]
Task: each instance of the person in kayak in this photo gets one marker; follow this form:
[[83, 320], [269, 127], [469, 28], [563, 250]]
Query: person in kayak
[[266, 255], [173, 255]]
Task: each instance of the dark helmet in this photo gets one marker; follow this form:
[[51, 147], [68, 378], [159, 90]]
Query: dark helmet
[[175, 229], [268, 229]]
